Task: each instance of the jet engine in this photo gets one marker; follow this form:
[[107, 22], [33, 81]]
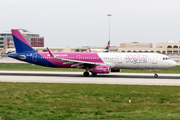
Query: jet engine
[[101, 69]]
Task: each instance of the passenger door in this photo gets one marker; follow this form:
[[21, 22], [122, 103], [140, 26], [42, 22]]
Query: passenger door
[[78, 57], [155, 57], [34, 57], [120, 65]]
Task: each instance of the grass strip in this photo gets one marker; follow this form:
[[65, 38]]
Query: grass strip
[[44, 101]]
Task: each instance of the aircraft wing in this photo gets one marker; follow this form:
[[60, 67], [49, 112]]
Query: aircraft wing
[[75, 62]]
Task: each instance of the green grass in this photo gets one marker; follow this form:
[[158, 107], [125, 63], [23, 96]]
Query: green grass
[[32, 67], [44, 101]]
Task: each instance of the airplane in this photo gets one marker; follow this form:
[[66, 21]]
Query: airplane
[[106, 49], [95, 63], [10, 50]]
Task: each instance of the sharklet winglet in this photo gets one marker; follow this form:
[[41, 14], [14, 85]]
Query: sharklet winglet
[[89, 49], [51, 54]]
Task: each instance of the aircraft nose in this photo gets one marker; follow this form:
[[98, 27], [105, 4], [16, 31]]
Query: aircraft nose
[[173, 63]]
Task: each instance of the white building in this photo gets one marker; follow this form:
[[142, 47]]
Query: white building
[[6, 39]]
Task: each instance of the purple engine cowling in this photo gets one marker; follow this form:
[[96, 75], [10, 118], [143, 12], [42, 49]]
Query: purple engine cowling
[[115, 70], [101, 69]]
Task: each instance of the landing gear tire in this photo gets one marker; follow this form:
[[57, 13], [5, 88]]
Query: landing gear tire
[[94, 74], [86, 74], [156, 75]]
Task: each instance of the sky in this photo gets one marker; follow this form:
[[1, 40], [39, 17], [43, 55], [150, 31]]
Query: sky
[[77, 23]]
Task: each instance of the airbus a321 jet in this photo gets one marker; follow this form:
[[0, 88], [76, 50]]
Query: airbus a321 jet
[[106, 49], [96, 63]]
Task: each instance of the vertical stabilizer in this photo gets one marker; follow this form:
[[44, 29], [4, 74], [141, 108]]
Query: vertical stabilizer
[[20, 42], [108, 45]]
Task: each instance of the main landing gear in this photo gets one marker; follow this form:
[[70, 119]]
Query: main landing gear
[[155, 74], [94, 74], [86, 73]]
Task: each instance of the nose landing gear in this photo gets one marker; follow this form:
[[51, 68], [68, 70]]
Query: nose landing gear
[[155, 74]]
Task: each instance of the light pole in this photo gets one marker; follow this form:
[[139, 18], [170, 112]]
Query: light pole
[[109, 24]]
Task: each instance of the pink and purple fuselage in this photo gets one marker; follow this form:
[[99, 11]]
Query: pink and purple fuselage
[[23, 48]]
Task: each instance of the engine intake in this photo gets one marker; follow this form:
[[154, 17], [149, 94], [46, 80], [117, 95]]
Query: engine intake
[[101, 69]]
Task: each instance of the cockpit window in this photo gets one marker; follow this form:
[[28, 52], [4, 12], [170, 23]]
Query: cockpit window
[[166, 58]]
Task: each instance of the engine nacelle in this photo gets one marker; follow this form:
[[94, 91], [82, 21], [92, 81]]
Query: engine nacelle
[[115, 70], [101, 69]]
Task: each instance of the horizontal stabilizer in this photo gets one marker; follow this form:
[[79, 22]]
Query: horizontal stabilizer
[[18, 56]]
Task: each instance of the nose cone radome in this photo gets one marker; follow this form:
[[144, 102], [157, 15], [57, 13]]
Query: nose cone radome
[[173, 63]]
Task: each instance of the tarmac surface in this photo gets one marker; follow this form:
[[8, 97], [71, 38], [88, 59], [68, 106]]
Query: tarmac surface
[[10, 60], [77, 77]]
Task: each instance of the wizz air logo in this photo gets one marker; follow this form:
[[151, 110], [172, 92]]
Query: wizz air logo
[[136, 58]]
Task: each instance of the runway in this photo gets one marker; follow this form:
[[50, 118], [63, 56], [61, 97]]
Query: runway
[[77, 77], [10, 60]]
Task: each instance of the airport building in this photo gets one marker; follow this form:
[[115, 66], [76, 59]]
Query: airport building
[[37, 42], [73, 49], [136, 47], [169, 47], [34, 39]]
